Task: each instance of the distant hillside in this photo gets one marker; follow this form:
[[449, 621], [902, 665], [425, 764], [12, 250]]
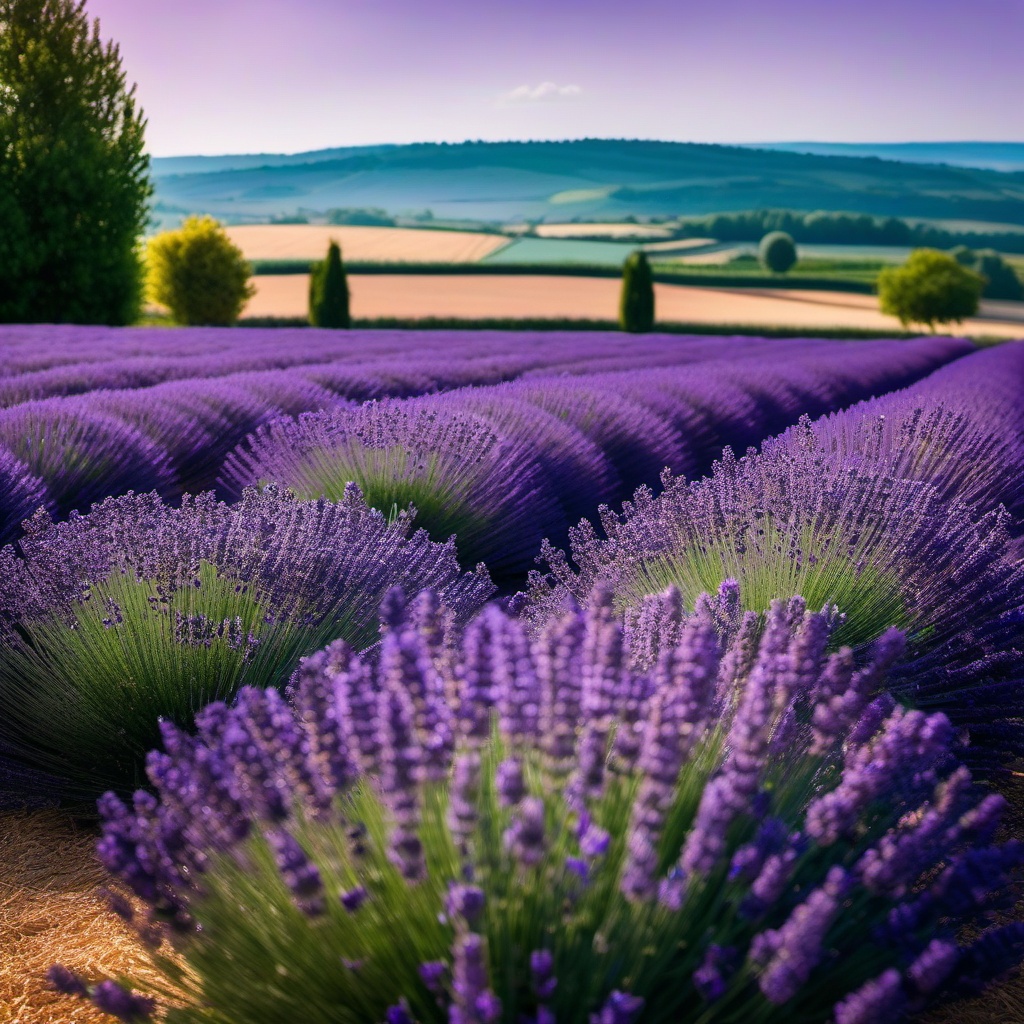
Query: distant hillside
[[993, 156], [588, 179]]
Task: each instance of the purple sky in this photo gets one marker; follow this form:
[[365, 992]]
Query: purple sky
[[227, 76]]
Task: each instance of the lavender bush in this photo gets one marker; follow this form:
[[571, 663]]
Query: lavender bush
[[845, 524], [81, 456], [139, 611], [499, 830], [21, 494], [462, 477]]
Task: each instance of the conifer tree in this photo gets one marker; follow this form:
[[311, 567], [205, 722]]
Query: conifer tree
[[74, 175], [636, 306], [328, 291]]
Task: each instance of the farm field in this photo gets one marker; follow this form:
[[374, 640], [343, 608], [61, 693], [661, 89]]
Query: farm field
[[342, 567], [623, 230], [367, 244], [461, 296]]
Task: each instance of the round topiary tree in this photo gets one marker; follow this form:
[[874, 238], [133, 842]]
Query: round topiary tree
[[636, 305], [777, 252], [930, 288], [198, 273], [328, 291]]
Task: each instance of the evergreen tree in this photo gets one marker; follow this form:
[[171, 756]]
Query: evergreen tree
[[74, 176], [328, 291], [636, 306]]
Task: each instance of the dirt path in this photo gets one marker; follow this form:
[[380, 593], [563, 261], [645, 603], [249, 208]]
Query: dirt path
[[467, 296]]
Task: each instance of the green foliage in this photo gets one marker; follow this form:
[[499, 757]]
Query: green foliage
[[1001, 280], [831, 228], [870, 594], [198, 273], [140, 652], [636, 305], [328, 292], [930, 288], [777, 252], [74, 175], [964, 255]]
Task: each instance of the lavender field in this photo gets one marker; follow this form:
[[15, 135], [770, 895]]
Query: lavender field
[[533, 678]]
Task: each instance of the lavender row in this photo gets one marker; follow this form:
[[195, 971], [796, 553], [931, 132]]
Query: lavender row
[[961, 429], [884, 510], [504, 467], [37, 363]]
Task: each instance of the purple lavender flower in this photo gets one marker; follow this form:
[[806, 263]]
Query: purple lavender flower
[[22, 493], [542, 974], [473, 1001], [797, 947], [111, 998], [875, 1002], [401, 759], [353, 899], [619, 1008], [711, 979], [828, 509], [908, 737], [462, 800], [434, 973], [398, 1014], [66, 981], [525, 838], [934, 965], [298, 872], [509, 782], [465, 902]]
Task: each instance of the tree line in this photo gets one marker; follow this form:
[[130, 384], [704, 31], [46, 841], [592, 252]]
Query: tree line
[[827, 228]]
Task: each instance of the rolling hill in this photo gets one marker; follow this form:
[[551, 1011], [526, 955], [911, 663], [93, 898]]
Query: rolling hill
[[589, 178], [994, 156]]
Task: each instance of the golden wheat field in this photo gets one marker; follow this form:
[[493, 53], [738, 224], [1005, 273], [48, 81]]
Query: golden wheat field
[[465, 296], [364, 244]]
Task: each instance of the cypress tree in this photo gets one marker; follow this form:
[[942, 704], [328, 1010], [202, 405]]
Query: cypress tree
[[74, 174], [636, 306], [328, 291]]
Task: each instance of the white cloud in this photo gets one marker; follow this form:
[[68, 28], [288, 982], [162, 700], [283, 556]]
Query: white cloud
[[546, 92]]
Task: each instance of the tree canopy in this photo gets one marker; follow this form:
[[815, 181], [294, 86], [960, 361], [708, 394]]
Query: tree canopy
[[932, 287], [777, 252], [74, 175], [198, 273], [636, 303]]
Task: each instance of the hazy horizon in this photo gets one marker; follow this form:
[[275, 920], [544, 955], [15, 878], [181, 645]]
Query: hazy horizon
[[271, 77], [752, 144]]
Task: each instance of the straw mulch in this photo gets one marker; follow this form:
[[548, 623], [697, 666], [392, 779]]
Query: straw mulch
[[50, 913]]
